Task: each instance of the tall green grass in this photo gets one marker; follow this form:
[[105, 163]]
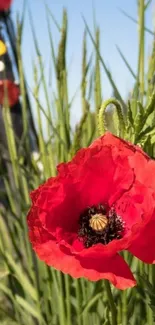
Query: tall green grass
[[32, 293]]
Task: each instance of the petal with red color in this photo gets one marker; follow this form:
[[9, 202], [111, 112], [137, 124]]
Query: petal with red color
[[143, 247], [100, 176], [77, 187], [95, 268], [8, 91], [5, 4]]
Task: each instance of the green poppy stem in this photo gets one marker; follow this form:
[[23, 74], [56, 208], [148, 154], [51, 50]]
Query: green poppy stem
[[101, 116], [111, 303]]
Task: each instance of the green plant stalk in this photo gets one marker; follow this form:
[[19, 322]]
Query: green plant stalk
[[9, 236], [141, 59], [66, 100], [119, 313], [11, 145], [97, 79], [50, 158], [78, 297], [76, 145], [22, 89], [84, 72], [148, 309], [61, 127], [25, 188], [11, 200], [53, 56], [150, 73], [42, 148], [8, 293], [136, 21], [111, 303], [86, 87], [124, 308], [84, 83], [84, 299], [118, 96], [61, 81], [62, 315], [61, 74], [49, 120], [126, 63], [54, 129], [68, 304]]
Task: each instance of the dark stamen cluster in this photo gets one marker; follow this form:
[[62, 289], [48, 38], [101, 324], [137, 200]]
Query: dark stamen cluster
[[113, 229]]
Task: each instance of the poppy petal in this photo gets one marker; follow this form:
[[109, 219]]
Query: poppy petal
[[113, 269], [143, 246]]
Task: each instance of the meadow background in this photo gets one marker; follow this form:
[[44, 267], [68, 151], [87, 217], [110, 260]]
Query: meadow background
[[73, 56]]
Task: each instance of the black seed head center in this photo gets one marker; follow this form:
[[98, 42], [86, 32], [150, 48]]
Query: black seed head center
[[99, 224]]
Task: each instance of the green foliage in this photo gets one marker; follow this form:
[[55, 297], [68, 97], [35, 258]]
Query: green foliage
[[31, 292]]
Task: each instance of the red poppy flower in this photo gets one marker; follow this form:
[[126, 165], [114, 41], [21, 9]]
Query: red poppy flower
[[5, 4], [101, 203], [8, 89]]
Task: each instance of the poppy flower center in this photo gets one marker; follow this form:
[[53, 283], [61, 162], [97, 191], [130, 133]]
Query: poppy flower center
[[99, 224]]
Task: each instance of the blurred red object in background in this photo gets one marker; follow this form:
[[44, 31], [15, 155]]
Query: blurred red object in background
[[8, 89], [5, 4]]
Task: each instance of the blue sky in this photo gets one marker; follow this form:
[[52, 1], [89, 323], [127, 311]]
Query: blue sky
[[115, 29]]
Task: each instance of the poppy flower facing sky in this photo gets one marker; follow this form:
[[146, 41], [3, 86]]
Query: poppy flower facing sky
[[101, 203], [5, 4]]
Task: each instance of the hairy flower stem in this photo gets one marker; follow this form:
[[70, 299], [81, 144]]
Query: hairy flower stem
[[101, 116], [111, 303]]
